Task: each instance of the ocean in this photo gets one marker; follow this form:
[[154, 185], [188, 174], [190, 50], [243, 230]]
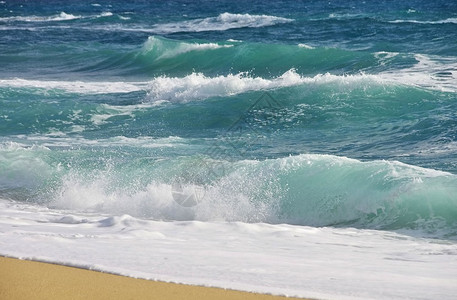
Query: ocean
[[289, 137]]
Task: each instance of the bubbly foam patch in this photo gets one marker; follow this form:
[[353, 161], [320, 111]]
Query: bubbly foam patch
[[197, 86], [431, 72], [261, 258], [76, 86], [309, 189]]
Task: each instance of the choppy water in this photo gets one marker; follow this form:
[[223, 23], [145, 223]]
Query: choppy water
[[339, 113]]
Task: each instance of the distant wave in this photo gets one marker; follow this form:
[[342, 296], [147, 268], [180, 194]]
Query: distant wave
[[95, 87], [301, 45], [60, 17], [346, 16], [222, 22], [63, 16], [448, 20]]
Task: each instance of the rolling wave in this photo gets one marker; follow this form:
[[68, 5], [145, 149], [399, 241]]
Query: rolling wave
[[158, 58], [224, 21], [197, 86], [444, 21], [247, 66], [63, 16], [55, 18], [163, 48], [306, 189], [164, 55]]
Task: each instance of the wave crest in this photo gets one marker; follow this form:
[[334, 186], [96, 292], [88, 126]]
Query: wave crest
[[63, 16], [224, 21], [197, 86], [445, 21], [306, 189], [163, 48]]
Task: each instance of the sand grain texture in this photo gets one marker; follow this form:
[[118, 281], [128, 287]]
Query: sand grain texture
[[20, 279]]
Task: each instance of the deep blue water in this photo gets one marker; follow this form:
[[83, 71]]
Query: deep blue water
[[320, 113]]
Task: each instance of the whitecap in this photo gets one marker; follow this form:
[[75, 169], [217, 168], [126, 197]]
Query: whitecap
[[197, 86], [158, 45], [222, 22], [301, 45], [445, 21], [430, 72], [60, 17]]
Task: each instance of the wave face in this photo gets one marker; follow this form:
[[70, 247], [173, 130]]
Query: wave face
[[309, 189], [301, 113]]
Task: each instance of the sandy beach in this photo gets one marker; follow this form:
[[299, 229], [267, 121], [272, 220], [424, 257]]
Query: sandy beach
[[21, 279]]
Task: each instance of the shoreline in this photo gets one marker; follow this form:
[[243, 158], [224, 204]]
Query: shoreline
[[27, 279]]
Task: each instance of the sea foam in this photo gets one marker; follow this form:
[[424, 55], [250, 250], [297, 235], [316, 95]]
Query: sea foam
[[306, 189], [63, 16], [197, 86], [253, 257], [444, 21], [83, 87]]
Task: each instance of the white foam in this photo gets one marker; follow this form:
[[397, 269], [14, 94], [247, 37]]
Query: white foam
[[107, 111], [339, 16], [76, 86], [14, 146], [323, 263], [156, 44], [444, 21], [222, 22], [60, 139], [301, 45], [248, 191], [106, 14], [431, 72], [63, 16], [60, 17], [197, 86], [384, 55]]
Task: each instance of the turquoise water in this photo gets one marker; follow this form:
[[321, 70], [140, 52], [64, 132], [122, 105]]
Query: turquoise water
[[339, 113]]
